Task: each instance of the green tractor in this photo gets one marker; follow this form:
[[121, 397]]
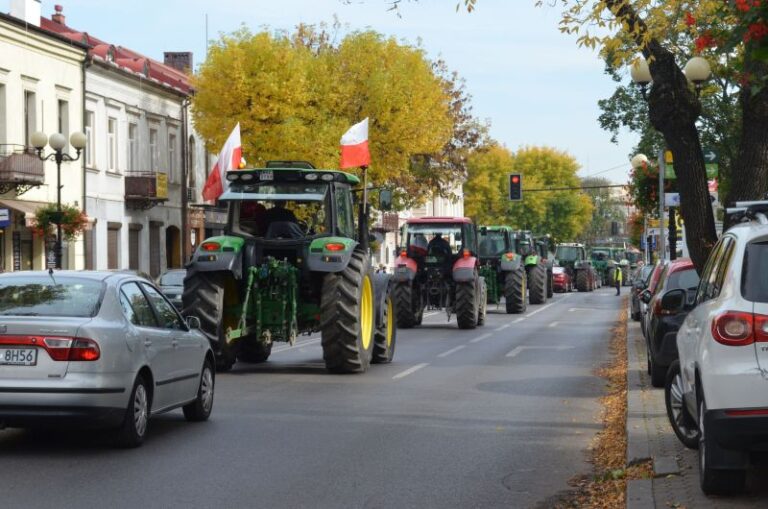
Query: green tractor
[[538, 265], [573, 257], [604, 263], [292, 262], [502, 268]]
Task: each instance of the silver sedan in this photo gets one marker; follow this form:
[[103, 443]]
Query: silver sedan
[[98, 349]]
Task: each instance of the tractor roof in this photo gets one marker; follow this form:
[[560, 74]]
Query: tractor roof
[[291, 174], [570, 244], [443, 220], [497, 228]]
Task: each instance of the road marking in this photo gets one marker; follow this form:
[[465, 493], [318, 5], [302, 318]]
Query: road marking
[[433, 313], [519, 320], [571, 310], [540, 310], [297, 345], [519, 349], [452, 350], [497, 329], [554, 324], [484, 336], [410, 370]]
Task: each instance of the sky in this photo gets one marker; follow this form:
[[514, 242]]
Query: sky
[[532, 83]]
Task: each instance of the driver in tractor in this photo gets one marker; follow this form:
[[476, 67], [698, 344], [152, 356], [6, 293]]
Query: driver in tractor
[[281, 222], [438, 246], [419, 246], [253, 217]]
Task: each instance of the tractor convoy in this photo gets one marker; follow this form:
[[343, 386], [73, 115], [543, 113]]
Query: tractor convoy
[[294, 259]]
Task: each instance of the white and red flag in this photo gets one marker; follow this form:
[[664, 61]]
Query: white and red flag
[[229, 159], [354, 146]]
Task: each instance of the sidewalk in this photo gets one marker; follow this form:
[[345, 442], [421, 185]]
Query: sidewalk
[[650, 436]]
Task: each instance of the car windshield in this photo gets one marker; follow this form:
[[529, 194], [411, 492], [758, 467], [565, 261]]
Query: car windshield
[[50, 296], [175, 278], [492, 243], [682, 280], [568, 253], [433, 239]]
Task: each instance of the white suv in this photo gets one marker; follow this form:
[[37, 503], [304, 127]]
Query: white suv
[[717, 395]]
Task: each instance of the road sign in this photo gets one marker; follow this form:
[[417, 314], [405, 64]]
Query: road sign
[[711, 156], [671, 199], [712, 170], [654, 223], [5, 218]]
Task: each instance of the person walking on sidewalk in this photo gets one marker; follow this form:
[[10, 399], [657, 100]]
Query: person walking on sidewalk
[[617, 277]]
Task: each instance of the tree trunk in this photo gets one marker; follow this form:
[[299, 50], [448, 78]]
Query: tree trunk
[[673, 109]]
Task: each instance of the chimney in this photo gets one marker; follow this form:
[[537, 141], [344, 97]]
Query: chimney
[[58, 17], [27, 10], [179, 60]]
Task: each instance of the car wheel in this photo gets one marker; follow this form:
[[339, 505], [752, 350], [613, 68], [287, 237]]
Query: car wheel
[[200, 409], [682, 423], [134, 427], [715, 481]]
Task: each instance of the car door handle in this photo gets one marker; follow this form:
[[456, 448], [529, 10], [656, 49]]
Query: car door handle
[[147, 342]]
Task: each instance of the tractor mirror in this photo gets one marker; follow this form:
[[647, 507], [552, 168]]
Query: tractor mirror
[[483, 230], [385, 199]]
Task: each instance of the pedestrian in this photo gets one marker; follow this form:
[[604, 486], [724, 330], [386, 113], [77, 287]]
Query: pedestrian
[[618, 276]]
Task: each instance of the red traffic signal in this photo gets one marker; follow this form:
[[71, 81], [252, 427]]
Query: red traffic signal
[[515, 187]]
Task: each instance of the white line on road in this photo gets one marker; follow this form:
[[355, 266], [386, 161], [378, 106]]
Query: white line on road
[[410, 370], [452, 350], [554, 324], [519, 349], [497, 329], [433, 313], [297, 345], [571, 310], [519, 320], [542, 308], [484, 336]]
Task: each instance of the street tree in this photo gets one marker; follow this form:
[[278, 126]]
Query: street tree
[[607, 208]]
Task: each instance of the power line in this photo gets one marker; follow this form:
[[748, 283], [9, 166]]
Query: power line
[[623, 165], [579, 188]]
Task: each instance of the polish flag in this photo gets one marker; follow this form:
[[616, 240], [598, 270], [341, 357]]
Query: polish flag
[[229, 159], [354, 146]]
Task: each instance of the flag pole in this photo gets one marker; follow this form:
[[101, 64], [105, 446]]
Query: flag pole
[[363, 211]]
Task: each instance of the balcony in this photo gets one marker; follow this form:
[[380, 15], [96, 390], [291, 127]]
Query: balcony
[[20, 169], [144, 190]]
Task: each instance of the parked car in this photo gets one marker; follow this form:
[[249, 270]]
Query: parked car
[[717, 394], [639, 283], [98, 349], [561, 280], [646, 294], [171, 283], [662, 324]]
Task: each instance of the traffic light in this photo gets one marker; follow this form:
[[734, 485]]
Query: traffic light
[[515, 187]]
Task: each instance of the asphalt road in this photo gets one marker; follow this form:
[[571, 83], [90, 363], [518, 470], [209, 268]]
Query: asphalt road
[[500, 416]]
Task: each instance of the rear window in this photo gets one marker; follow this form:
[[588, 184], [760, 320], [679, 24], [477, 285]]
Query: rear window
[[683, 280], [754, 277], [50, 296]]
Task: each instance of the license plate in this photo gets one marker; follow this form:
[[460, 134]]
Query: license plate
[[266, 175], [18, 356]]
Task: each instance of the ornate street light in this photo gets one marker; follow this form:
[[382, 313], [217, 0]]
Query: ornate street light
[[697, 70], [58, 142], [641, 75], [639, 161]]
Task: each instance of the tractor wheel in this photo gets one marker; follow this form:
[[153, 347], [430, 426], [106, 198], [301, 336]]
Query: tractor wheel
[[515, 293], [347, 317], [254, 351], [408, 308], [582, 281], [537, 285], [385, 335], [550, 286], [466, 304], [482, 308], [206, 296]]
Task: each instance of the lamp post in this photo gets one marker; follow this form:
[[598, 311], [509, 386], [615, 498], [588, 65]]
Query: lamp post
[[58, 142]]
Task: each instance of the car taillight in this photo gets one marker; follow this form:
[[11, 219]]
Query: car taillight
[[761, 328], [403, 253], [72, 349], [510, 256], [733, 328], [746, 413], [466, 253], [210, 246]]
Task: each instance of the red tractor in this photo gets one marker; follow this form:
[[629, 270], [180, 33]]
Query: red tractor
[[438, 268]]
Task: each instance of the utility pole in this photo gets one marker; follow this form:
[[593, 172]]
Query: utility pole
[[662, 171]]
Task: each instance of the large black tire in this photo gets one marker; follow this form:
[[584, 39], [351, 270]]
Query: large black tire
[[254, 351], [715, 481], [466, 304], [200, 409], [550, 286], [385, 335], [408, 307], [133, 429], [683, 424], [482, 307], [582, 281], [537, 285], [205, 296], [515, 293], [347, 317]]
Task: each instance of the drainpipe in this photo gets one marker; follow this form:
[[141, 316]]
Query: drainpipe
[[86, 64], [184, 176]]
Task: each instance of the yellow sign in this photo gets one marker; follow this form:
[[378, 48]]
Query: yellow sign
[[161, 185], [668, 157], [654, 223]]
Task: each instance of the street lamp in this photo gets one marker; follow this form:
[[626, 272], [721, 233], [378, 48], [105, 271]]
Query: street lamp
[[58, 142], [697, 70]]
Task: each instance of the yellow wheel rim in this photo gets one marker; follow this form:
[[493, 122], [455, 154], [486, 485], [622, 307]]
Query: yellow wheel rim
[[390, 321], [366, 313]]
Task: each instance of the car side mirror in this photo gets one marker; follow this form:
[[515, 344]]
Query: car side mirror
[[385, 200], [645, 296], [674, 301], [193, 323]]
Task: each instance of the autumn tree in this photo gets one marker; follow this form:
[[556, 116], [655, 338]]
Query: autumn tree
[[294, 94], [606, 208]]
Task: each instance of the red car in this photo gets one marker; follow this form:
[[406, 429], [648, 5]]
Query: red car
[[561, 281]]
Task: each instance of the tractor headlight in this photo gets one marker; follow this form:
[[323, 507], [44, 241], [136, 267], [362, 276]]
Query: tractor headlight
[[233, 176], [246, 176], [311, 176], [327, 177]]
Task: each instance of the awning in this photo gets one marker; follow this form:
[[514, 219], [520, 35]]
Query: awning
[[25, 207]]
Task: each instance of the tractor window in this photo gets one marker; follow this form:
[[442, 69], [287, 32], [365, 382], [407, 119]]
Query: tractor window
[[568, 253], [344, 223], [470, 242], [601, 254], [433, 240], [492, 243], [523, 247]]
